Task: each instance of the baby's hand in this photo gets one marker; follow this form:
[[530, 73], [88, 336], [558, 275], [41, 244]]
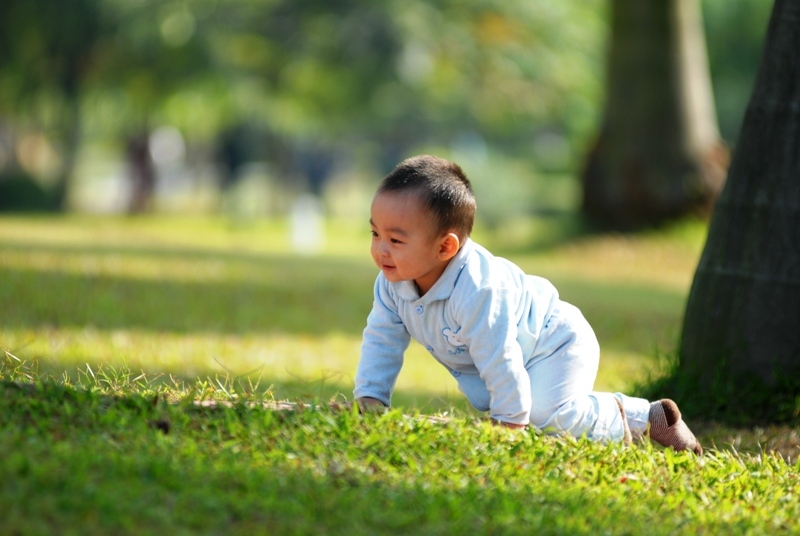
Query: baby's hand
[[367, 404], [511, 425]]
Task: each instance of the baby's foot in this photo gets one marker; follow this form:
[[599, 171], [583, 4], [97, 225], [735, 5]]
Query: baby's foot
[[668, 429]]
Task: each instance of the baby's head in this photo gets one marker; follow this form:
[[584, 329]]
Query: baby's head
[[441, 187]]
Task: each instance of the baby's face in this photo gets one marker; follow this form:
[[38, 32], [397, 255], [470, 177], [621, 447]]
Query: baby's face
[[403, 243]]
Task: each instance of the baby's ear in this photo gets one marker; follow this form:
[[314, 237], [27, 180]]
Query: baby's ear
[[449, 246]]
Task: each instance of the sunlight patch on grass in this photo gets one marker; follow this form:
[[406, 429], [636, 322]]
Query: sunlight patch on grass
[[620, 370], [166, 233], [301, 366], [189, 355], [665, 259]]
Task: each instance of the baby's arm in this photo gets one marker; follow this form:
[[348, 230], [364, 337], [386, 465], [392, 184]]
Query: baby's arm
[[382, 348], [489, 328]]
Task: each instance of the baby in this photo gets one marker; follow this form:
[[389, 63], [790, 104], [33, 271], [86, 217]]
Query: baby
[[515, 349]]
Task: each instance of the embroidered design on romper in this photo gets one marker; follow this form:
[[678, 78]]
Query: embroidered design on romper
[[454, 339]]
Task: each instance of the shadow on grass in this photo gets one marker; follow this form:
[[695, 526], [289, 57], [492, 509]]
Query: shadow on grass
[[742, 401], [744, 415]]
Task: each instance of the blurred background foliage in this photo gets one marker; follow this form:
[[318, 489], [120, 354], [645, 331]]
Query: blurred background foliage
[[246, 105]]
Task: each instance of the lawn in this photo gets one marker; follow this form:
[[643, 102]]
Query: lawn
[[200, 297], [111, 329]]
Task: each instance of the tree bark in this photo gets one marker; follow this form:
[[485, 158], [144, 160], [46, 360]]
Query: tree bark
[[742, 319], [659, 154], [71, 138], [142, 172]]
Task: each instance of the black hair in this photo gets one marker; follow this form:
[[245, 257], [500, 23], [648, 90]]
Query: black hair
[[443, 188]]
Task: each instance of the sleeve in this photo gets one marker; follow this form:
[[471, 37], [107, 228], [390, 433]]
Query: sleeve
[[382, 348], [489, 329]]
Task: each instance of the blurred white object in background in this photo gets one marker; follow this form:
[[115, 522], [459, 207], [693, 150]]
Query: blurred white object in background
[[307, 225]]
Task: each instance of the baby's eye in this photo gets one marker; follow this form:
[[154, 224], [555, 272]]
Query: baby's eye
[[396, 241], [374, 234]]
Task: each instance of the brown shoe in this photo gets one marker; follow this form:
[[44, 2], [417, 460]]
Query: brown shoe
[[668, 428]]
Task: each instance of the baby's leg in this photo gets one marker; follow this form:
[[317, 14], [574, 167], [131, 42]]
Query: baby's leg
[[562, 383], [563, 399]]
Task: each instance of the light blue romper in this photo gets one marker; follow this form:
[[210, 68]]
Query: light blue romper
[[516, 349]]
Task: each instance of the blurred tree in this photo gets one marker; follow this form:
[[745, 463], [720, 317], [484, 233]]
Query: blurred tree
[[150, 62], [300, 75], [327, 81], [46, 48], [123, 66], [324, 83], [391, 76], [503, 71], [742, 317], [658, 155]]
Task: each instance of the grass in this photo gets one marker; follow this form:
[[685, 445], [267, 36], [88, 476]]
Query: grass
[[196, 297], [112, 328], [88, 460]]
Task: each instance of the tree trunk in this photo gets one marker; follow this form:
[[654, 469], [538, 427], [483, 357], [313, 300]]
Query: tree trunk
[[742, 319], [71, 138], [659, 154], [142, 172]]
